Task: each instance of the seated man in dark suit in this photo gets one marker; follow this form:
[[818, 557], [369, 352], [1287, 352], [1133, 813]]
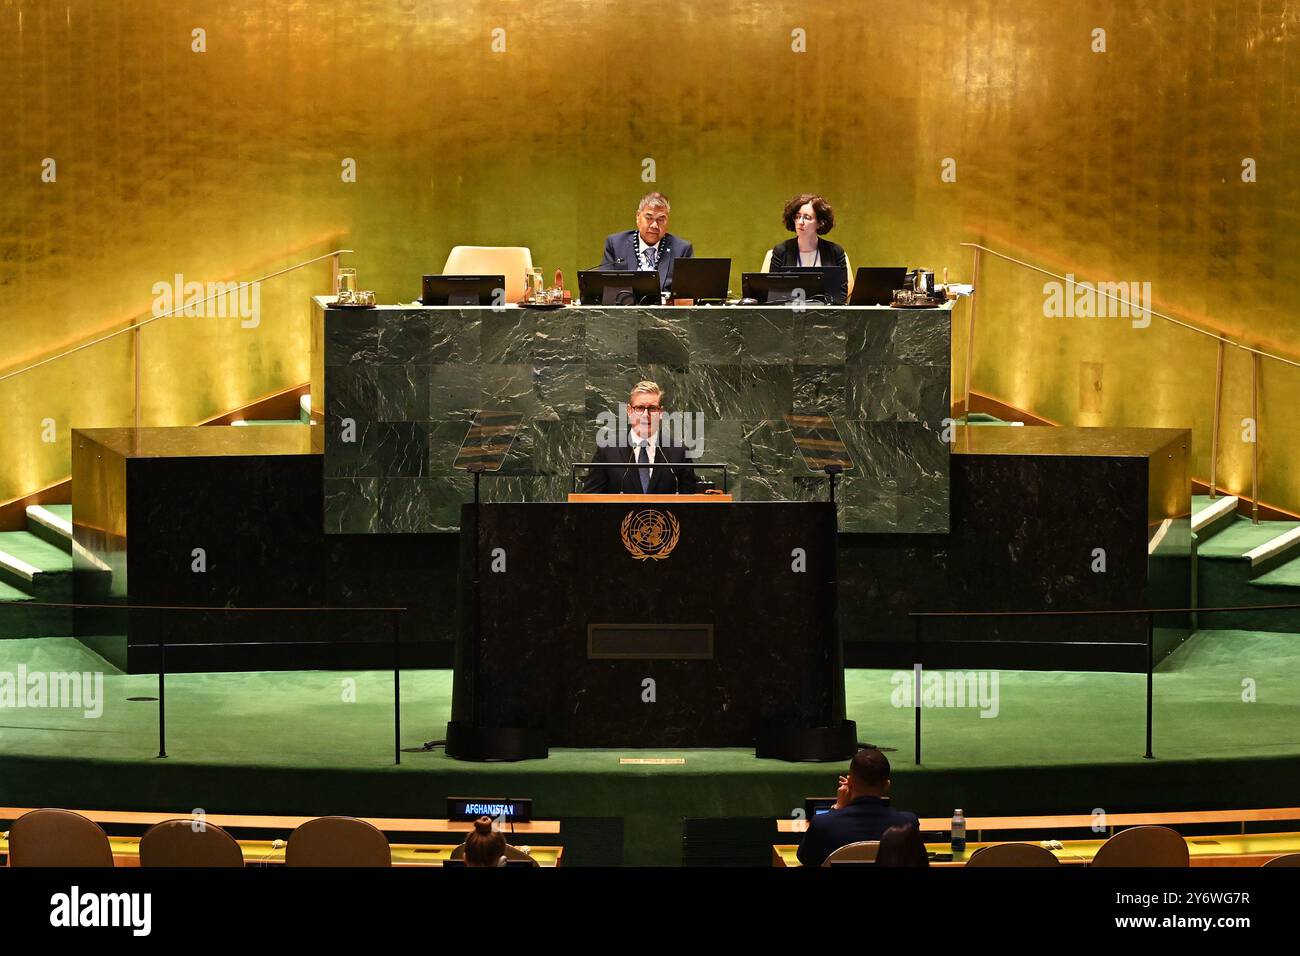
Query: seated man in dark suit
[[642, 444], [650, 247], [862, 810]]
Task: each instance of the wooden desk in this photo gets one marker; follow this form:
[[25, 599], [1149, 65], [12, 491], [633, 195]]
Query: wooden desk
[[234, 821], [1044, 825], [1228, 850], [126, 852], [578, 498]]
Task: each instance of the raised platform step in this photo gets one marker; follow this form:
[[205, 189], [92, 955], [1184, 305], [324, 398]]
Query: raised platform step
[[983, 418], [51, 523], [37, 552], [34, 565], [268, 421], [1286, 575], [1212, 515], [1240, 537], [10, 593], [20, 616], [1275, 552]]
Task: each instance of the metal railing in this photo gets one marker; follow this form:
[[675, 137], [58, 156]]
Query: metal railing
[[1222, 342], [393, 613], [135, 325], [919, 643]]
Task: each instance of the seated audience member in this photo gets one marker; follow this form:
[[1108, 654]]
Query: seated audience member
[[862, 810], [902, 846], [485, 846]]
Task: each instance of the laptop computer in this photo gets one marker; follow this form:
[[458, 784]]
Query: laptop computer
[[704, 280], [835, 281], [875, 285], [608, 287], [462, 290], [778, 288]]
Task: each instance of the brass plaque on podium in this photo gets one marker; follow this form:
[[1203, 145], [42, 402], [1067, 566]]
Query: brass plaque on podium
[[650, 642]]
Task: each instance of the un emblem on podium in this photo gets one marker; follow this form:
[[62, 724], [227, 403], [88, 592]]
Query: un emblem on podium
[[650, 534]]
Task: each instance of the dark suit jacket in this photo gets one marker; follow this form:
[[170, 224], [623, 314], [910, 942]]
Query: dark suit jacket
[[663, 481], [832, 257], [866, 818], [620, 255]]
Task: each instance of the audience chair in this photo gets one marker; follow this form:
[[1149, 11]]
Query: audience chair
[[58, 838], [1013, 854], [863, 852], [189, 842], [509, 261], [1143, 846], [337, 841]]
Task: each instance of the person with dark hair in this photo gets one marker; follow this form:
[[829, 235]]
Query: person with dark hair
[[484, 846], [810, 217], [902, 846], [861, 812]]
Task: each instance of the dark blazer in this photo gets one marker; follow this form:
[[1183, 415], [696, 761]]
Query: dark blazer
[[663, 481], [832, 257], [866, 818], [620, 255]]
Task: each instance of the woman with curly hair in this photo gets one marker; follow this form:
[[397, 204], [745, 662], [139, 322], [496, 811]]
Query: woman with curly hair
[[810, 217]]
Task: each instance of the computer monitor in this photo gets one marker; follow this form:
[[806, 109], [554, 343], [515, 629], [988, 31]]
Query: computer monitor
[[462, 290], [835, 281], [601, 287], [775, 288], [704, 280], [875, 285]]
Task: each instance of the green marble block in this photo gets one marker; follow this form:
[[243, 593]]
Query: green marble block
[[402, 384]]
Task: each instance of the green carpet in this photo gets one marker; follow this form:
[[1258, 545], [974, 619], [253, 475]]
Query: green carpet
[[35, 551], [290, 743]]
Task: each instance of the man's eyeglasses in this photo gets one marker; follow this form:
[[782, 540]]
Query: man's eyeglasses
[[658, 220], [645, 409]]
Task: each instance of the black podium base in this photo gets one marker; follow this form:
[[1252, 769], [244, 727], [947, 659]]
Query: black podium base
[[467, 742], [812, 744]]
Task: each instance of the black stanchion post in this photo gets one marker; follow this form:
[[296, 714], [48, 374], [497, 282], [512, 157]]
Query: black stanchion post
[[477, 471], [831, 472], [397, 688], [916, 682], [1151, 656], [162, 696]]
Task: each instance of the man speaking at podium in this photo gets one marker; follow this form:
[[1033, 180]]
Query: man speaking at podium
[[641, 444]]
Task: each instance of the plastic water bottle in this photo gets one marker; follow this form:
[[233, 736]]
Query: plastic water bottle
[[958, 832]]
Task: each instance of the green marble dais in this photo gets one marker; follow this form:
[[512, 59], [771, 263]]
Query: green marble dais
[[402, 383]]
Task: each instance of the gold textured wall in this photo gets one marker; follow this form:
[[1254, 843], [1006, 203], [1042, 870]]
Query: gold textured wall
[[226, 163]]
